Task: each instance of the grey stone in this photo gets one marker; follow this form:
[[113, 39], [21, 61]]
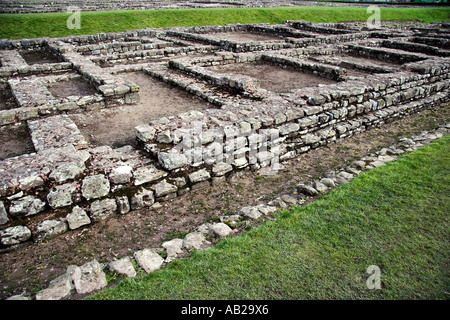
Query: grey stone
[[147, 174], [319, 186], [194, 240], [48, 229], [204, 228], [341, 180], [15, 235], [26, 206], [148, 260], [61, 196], [394, 152], [406, 142], [311, 138], [122, 174], [289, 128], [77, 218], [164, 137], [59, 288], [316, 100], [102, 209], [266, 209], [353, 171], [95, 187], [221, 169], [123, 205], [173, 248], [309, 121], [376, 164], [386, 158], [89, 277], [18, 297], [142, 199], [278, 203], [328, 182], [172, 160], [310, 191], [347, 176], [31, 182], [191, 114], [3, 216], [289, 199], [164, 188], [67, 171], [145, 132], [250, 212], [221, 230], [199, 176], [359, 164], [123, 266]]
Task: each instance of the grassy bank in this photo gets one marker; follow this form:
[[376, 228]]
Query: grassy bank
[[395, 217], [16, 26]]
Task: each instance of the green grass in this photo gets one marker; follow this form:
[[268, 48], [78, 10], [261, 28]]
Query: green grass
[[395, 217], [17, 26]]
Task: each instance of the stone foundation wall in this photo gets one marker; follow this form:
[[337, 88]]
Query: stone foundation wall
[[66, 184]]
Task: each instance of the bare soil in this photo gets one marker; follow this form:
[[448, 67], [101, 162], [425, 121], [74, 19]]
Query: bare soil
[[7, 100], [15, 140], [73, 87], [115, 127], [274, 78], [374, 62], [243, 36], [38, 57], [31, 266]]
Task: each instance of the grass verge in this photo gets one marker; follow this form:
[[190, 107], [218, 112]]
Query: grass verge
[[395, 217], [18, 26]]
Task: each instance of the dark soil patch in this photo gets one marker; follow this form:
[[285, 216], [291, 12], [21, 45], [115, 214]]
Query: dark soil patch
[[15, 140], [115, 127], [73, 87], [7, 100], [243, 36], [273, 77], [38, 57], [33, 266], [374, 62]]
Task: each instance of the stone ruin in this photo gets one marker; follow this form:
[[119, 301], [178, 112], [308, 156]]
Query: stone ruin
[[43, 6], [99, 125]]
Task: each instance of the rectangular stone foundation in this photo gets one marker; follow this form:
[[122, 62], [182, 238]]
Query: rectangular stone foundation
[[182, 146]]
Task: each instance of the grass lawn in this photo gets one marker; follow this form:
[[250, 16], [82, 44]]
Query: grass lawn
[[17, 26], [395, 217]]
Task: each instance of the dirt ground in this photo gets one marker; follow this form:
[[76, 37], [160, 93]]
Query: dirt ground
[[115, 127], [15, 140], [38, 57], [361, 60], [6, 98], [73, 87], [31, 266], [242, 36], [274, 78]]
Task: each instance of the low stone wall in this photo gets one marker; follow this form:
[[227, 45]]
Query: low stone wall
[[66, 184]]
